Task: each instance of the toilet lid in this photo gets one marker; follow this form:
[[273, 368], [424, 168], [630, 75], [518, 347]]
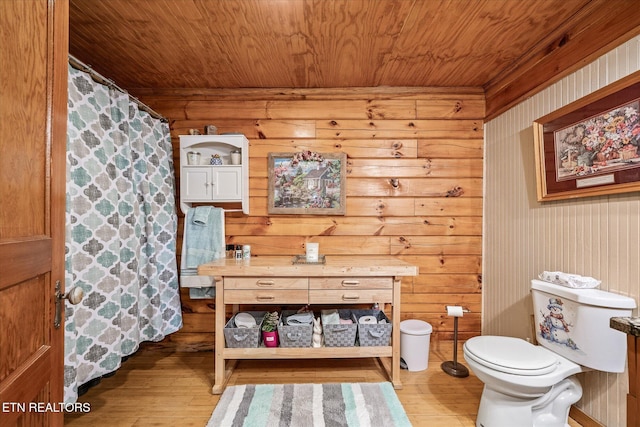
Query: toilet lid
[[511, 355]]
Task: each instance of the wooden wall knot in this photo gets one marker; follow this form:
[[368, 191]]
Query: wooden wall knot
[[405, 241], [427, 166], [395, 182], [371, 114], [456, 191], [330, 230], [458, 107]]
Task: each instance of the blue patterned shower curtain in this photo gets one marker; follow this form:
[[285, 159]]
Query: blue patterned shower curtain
[[121, 228]]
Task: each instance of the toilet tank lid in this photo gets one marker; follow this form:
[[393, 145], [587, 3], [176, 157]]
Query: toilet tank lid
[[596, 297]]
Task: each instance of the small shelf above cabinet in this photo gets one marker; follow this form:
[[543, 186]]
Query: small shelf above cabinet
[[225, 181]]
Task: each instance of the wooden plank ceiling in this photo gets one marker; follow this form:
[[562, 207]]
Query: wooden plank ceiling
[[169, 44]]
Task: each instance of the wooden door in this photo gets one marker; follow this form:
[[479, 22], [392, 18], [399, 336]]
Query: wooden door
[[33, 116]]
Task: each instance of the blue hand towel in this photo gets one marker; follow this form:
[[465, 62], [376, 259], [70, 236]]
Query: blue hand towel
[[201, 215], [204, 235], [203, 241]]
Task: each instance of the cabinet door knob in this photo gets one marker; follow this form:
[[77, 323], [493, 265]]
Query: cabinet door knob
[[350, 297]]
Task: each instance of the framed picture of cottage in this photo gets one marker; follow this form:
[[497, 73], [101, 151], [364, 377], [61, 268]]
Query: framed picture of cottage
[[307, 183], [592, 146]]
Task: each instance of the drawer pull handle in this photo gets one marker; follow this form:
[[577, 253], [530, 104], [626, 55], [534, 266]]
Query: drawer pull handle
[[265, 283], [350, 282], [265, 298], [350, 297]]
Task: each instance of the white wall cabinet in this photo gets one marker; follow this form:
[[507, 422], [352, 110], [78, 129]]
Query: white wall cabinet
[[203, 183], [212, 183]]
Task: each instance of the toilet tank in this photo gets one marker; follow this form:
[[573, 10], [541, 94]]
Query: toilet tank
[[574, 323]]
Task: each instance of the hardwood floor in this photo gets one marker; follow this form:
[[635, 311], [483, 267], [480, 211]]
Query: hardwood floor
[[157, 387]]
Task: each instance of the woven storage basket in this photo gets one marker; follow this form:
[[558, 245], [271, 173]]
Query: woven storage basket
[[371, 334], [244, 337], [294, 335], [340, 335]]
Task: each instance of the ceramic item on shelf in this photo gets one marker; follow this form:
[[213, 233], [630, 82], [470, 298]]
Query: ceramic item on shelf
[[216, 160], [193, 158], [210, 130], [245, 320], [317, 333], [235, 157]]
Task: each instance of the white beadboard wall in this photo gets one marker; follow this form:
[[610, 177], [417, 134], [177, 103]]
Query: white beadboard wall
[[597, 236]]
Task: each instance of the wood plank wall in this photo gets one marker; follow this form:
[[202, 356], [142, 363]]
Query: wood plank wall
[[414, 185]]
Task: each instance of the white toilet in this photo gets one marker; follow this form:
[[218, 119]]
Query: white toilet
[[528, 385]]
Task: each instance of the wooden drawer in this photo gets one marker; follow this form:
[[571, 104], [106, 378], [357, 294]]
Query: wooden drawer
[[354, 283], [357, 296], [267, 296], [266, 283]]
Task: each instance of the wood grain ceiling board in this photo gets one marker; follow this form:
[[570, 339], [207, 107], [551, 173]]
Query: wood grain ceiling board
[[309, 43]]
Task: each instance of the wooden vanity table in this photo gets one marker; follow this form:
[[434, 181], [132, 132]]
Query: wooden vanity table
[[276, 280]]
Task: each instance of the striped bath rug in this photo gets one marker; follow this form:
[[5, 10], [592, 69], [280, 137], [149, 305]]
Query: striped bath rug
[[310, 405]]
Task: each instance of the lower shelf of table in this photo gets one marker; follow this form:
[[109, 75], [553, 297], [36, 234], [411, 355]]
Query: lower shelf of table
[[306, 353]]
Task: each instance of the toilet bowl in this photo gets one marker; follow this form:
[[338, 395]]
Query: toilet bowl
[[521, 381], [515, 367], [528, 385]]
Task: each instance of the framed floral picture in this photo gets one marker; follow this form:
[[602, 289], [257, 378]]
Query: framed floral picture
[[307, 183], [592, 146]]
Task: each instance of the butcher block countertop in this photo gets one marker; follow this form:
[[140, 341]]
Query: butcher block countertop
[[336, 265]]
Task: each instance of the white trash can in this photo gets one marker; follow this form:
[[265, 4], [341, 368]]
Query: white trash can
[[415, 337]]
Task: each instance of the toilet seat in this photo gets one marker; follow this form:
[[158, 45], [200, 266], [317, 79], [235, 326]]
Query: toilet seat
[[511, 355]]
